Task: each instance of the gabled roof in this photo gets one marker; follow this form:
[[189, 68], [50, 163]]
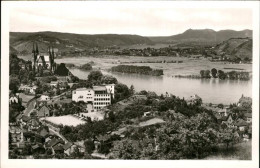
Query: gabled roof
[[35, 146], [58, 148], [43, 110], [99, 88], [67, 145], [248, 115], [44, 132], [46, 94], [241, 123], [25, 118], [225, 118], [19, 116], [52, 142], [35, 123], [81, 89], [103, 137], [54, 82]]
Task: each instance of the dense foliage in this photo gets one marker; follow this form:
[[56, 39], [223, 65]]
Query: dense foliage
[[62, 70], [145, 70], [233, 75], [86, 67]]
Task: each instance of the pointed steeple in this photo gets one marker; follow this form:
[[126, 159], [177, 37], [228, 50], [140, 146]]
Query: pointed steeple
[[33, 50], [37, 51]]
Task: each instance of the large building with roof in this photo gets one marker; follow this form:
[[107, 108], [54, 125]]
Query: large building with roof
[[100, 96]]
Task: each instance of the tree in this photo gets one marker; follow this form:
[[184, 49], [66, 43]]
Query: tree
[[121, 92], [111, 116], [95, 76], [89, 146], [214, 72], [132, 90], [228, 137], [207, 74], [221, 74], [86, 67], [13, 84], [220, 106], [62, 70], [202, 72], [108, 79]]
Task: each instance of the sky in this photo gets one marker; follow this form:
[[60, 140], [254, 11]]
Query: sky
[[146, 20]]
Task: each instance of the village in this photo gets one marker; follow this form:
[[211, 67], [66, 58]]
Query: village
[[54, 114]]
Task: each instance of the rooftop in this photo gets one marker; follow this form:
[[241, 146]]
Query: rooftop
[[99, 88], [67, 145]]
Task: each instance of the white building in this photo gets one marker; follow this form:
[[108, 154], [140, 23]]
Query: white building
[[13, 99], [28, 89], [45, 97], [99, 96], [83, 94]]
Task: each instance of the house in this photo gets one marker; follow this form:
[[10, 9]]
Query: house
[[195, 99], [228, 120], [18, 117], [15, 133], [43, 132], [30, 107], [52, 143], [22, 65], [69, 148], [246, 136], [45, 97], [147, 114], [54, 83], [63, 85], [34, 124], [80, 145], [244, 101], [58, 148], [248, 117], [221, 112], [99, 97], [241, 125], [28, 89], [43, 112], [13, 99], [167, 94], [38, 148], [25, 119], [138, 97]]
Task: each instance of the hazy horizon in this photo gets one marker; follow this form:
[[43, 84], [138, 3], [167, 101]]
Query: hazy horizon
[[151, 19], [125, 34]]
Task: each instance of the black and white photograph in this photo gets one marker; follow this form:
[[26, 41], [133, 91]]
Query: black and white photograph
[[129, 80]]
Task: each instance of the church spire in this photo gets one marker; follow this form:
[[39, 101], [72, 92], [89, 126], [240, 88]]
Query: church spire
[[33, 50], [37, 51]]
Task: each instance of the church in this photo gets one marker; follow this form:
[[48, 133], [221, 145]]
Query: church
[[45, 61]]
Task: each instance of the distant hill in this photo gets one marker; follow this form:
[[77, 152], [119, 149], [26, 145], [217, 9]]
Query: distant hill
[[202, 36], [236, 47], [22, 42]]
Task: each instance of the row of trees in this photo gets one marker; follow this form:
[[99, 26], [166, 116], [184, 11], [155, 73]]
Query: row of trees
[[145, 70], [233, 75]]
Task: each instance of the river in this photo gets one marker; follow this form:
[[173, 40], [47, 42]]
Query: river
[[210, 90]]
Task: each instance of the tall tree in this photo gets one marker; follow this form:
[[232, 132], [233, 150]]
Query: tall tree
[[214, 72]]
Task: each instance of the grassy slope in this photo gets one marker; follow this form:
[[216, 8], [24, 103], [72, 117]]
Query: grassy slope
[[23, 41], [240, 47], [240, 151]]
